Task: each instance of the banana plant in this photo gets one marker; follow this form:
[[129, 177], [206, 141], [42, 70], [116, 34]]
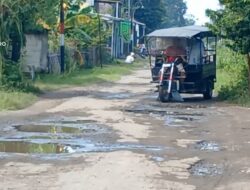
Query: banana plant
[[10, 25]]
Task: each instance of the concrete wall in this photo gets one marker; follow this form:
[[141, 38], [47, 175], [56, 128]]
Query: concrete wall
[[36, 51]]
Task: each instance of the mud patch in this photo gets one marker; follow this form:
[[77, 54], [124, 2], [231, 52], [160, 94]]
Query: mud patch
[[202, 168], [208, 146], [111, 96]]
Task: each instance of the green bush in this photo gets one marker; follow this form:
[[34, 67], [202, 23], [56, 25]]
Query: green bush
[[14, 80], [232, 73]]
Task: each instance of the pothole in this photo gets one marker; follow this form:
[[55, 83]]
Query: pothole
[[163, 112], [176, 121], [47, 129], [29, 147], [207, 146], [58, 128], [202, 168], [77, 121], [183, 105], [157, 158], [40, 146]]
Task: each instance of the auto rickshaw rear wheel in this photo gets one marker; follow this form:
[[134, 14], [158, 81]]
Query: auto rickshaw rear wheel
[[208, 94], [164, 96]]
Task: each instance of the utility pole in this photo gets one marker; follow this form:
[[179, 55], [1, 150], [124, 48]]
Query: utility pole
[[130, 11], [62, 45]]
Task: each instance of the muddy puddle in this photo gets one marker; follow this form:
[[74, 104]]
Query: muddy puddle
[[208, 146], [177, 121], [55, 129], [47, 129], [42, 146], [157, 158], [29, 147], [162, 112], [60, 137], [203, 168]]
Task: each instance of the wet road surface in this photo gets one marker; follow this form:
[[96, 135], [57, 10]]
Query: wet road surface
[[118, 136]]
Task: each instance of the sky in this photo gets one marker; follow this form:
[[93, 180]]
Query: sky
[[198, 8]]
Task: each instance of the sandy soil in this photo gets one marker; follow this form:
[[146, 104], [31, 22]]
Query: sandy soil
[[204, 145]]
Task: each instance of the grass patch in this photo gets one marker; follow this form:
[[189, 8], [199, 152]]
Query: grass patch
[[231, 91], [232, 77], [222, 79], [84, 77], [15, 100]]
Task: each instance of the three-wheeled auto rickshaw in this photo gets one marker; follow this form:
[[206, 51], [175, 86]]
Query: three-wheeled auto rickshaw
[[182, 60]]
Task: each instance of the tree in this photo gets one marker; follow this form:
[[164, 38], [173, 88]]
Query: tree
[[152, 14], [175, 14], [162, 14], [17, 18], [232, 22]]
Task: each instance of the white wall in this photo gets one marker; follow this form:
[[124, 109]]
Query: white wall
[[36, 50]]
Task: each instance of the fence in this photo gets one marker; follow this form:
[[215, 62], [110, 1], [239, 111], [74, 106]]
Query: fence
[[91, 57]]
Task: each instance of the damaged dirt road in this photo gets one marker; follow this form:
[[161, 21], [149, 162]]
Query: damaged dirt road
[[118, 137]]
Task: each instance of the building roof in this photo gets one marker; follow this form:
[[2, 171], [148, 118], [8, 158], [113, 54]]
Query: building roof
[[181, 32], [109, 17], [108, 1]]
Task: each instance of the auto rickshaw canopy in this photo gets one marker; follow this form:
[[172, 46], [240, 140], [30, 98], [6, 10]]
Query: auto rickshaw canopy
[[182, 32]]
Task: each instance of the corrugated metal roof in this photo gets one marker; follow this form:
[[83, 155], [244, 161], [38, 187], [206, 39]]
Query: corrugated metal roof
[[181, 32], [109, 17]]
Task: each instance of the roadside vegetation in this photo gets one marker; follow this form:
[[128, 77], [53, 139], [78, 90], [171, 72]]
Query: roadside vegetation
[[232, 72], [232, 25], [83, 77]]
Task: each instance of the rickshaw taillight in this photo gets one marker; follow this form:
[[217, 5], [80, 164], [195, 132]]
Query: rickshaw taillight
[[171, 59]]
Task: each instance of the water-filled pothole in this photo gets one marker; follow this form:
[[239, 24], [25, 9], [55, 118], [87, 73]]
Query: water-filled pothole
[[162, 112], [173, 121], [202, 168], [157, 159], [29, 147], [207, 146], [47, 129], [40, 146], [56, 128], [77, 121]]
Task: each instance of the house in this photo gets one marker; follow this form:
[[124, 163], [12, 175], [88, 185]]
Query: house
[[112, 11]]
